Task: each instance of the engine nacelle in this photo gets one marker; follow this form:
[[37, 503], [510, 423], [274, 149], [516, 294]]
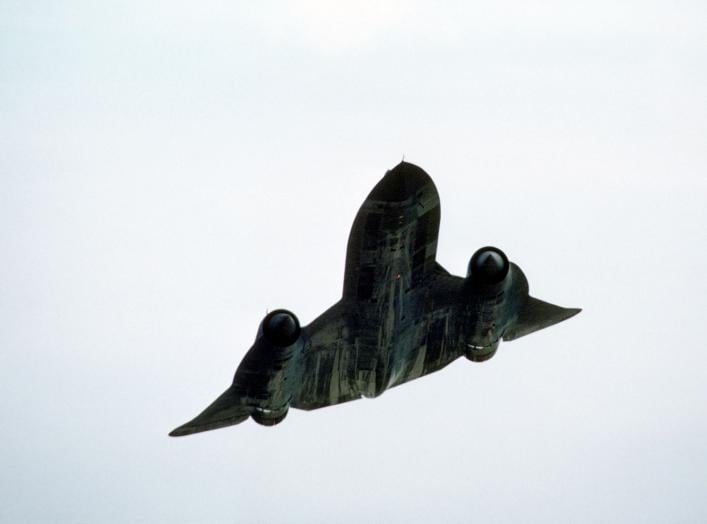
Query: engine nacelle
[[487, 287], [264, 376]]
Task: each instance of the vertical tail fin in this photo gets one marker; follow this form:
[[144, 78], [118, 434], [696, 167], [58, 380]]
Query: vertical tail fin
[[536, 315]]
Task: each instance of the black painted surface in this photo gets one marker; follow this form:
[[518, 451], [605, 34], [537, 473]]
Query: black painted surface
[[401, 315]]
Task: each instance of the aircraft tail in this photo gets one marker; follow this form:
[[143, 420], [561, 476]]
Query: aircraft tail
[[536, 315]]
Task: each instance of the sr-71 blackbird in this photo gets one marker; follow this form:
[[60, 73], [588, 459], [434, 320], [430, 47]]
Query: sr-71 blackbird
[[401, 316]]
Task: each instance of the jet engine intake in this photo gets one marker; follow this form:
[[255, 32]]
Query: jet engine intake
[[280, 327], [488, 266]]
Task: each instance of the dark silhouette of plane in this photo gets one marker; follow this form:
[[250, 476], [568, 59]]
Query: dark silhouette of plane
[[401, 316]]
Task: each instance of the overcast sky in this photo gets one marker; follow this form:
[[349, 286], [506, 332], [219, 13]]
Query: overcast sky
[[170, 170]]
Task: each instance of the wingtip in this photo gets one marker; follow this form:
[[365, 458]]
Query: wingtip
[[537, 315], [179, 432]]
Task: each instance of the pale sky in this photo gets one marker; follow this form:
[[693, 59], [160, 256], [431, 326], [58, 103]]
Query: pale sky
[[170, 170]]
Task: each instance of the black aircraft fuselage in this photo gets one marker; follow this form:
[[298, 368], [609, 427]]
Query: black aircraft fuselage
[[401, 315]]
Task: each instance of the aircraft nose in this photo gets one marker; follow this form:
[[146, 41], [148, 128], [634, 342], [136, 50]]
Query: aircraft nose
[[400, 183]]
